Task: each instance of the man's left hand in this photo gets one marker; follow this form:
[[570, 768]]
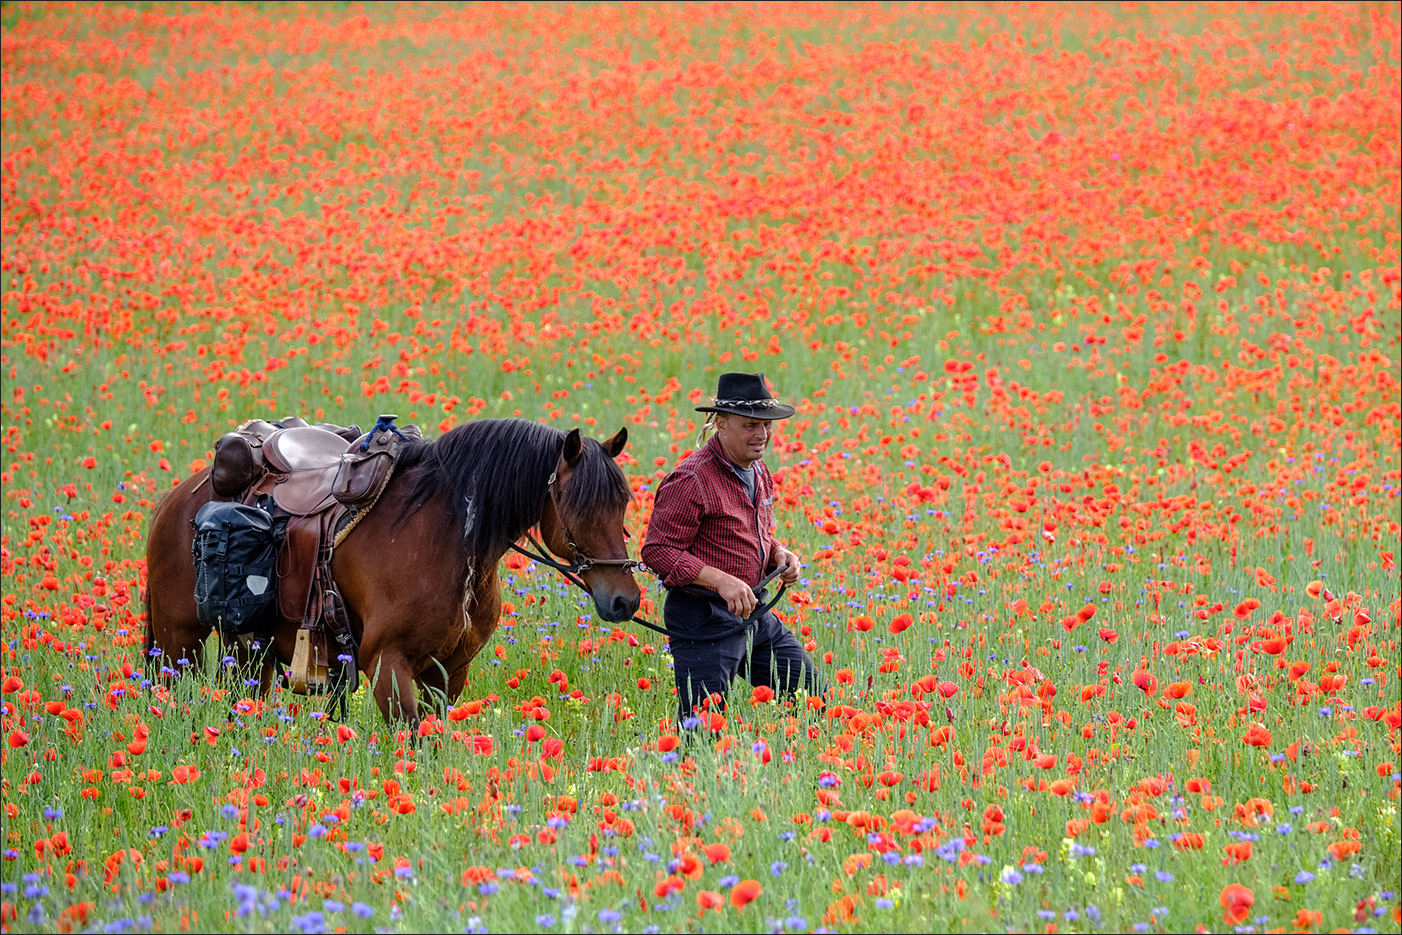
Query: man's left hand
[[788, 565]]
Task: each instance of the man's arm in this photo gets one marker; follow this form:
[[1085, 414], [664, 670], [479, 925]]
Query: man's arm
[[739, 597], [783, 559], [676, 515]]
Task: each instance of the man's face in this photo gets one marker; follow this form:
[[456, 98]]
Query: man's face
[[743, 439]]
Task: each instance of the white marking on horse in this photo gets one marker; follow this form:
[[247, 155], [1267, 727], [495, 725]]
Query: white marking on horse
[[469, 517]]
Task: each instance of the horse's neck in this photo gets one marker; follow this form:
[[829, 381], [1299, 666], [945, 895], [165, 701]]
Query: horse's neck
[[473, 512]]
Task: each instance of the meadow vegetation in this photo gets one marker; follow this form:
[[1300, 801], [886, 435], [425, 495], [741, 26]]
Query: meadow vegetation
[[1091, 315]]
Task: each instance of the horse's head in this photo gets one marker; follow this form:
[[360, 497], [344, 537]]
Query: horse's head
[[583, 522]]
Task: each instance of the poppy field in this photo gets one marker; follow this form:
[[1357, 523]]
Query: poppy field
[[1091, 315]]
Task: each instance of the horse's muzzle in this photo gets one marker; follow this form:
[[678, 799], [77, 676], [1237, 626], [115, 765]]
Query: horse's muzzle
[[617, 608]]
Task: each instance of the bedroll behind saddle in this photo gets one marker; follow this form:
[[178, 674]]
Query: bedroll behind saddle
[[235, 553]]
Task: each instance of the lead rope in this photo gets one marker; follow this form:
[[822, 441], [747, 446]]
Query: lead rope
[[568, 571]]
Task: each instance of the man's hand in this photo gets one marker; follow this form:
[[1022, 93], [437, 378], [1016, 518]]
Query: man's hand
[[739, 597], [788, 565]]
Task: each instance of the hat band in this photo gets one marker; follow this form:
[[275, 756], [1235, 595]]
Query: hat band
[[752, 403]]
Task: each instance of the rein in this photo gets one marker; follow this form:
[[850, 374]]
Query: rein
[[583, 562]]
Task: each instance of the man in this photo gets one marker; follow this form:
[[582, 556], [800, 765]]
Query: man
[[711, 540]]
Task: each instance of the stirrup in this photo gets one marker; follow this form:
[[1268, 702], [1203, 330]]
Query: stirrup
[[307, 674]]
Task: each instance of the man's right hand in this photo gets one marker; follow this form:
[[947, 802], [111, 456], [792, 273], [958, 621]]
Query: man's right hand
[[739, 597]]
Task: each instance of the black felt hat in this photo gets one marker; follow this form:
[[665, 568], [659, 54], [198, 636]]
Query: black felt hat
[[746, 394]]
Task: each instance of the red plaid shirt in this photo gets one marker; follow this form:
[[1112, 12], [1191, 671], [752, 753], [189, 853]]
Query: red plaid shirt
[[703, 516]]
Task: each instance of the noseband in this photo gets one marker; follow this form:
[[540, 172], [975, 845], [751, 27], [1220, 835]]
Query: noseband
[[582, 561]]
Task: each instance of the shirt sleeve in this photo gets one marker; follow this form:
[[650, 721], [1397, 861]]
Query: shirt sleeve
[[676, 516]]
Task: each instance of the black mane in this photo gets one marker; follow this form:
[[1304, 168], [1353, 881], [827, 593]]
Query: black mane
[[494, 474]]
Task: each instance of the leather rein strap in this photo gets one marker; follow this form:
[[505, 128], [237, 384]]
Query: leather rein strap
[[583, 562]]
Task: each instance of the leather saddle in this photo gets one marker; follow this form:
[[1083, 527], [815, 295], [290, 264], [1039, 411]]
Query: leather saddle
[[293, 461], [303, 460], [297, 465]]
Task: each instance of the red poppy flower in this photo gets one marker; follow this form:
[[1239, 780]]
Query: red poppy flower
[[1257, 736], [744, 893], [1145, 682], [1237, 901]]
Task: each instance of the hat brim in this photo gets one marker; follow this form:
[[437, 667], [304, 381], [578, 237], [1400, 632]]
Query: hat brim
[[766, 413]]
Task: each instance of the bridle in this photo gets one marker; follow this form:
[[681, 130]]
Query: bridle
[[582, 561]]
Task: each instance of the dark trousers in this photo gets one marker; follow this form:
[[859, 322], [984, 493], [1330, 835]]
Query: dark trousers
[[765, 653]]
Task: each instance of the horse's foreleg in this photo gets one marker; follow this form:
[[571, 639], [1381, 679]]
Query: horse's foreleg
[[393, 686], [444, 679]]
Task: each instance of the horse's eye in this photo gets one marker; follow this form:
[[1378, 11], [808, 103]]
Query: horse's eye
[[626, 533]]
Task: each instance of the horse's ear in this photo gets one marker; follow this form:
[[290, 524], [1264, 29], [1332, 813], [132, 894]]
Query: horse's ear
[[614, 446], [573, 447]]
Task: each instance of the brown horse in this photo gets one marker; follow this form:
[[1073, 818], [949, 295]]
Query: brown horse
[[419, 571]]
